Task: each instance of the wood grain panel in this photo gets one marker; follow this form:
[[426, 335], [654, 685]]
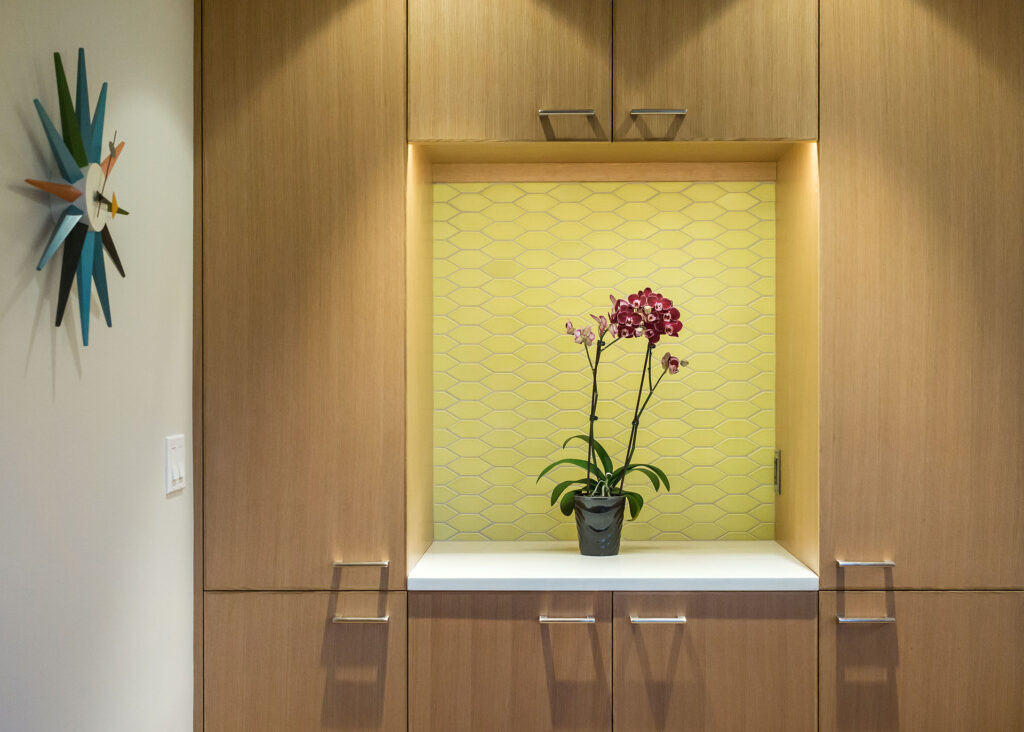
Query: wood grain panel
[[950, 662], [646, 172], [481, 70], [797, 382], [275, 661], [742, 661], [303, 123], [744, 69], [482, 661], [700, 151], [197, 367], [923, 309], [419, 359]]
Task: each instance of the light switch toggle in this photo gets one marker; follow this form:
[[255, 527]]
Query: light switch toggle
[[175, 464]]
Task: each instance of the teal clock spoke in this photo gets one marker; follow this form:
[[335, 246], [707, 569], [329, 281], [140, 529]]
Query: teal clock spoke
[[85, 282], [99, 275], [69, 169], [95, 150]]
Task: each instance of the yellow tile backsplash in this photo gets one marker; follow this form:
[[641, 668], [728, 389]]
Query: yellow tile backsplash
[[512, 262]]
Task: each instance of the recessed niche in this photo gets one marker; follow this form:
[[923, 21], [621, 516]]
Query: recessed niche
[[507, 242]]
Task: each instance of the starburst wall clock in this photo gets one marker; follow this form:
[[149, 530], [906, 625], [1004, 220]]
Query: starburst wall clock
[[83, 225]]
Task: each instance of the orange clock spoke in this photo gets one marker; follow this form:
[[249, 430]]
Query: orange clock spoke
[[61, 190], [108, 162]]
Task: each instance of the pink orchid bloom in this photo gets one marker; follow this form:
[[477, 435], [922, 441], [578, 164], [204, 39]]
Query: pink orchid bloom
[[568, 327], [577, 335], [602, 323]]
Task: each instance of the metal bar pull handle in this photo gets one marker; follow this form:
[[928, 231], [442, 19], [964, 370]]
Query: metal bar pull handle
[[381, 563], [864, 621], [546, 619], [666, 621], [355, 619], [662, 112], [879, 563], [566, 112]]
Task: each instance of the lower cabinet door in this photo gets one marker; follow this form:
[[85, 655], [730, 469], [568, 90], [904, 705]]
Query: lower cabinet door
[[740, 661], [277, 661], [917, 660], [515, 661]]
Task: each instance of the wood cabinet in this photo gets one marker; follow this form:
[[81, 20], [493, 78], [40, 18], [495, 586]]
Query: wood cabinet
[[922, 325], [481, 70], [951, 661], [741, 661], [485, 661], [743, 69], [279, 661], [303, 180]]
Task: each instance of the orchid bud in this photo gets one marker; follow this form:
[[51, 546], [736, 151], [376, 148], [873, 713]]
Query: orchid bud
[[568, 327]]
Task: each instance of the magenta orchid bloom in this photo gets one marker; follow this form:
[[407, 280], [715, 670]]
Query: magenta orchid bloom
[[671, 364], [602, 323], [647, 314]]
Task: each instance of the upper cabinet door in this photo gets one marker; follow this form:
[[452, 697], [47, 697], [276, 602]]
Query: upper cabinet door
[[922, 265], [745, 69], [482, 69], [304, 169]]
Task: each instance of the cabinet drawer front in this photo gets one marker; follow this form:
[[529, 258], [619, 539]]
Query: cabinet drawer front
[[945, 662], [485, 661], [741, 661], [482, 70], [279, 661]]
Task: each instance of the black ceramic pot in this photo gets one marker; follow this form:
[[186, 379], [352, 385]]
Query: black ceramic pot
[[599, 524]]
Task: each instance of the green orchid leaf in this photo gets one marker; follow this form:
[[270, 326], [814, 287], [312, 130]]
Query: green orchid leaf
[[565, 484], [651, 475], [659, 471], [563, 461], [636, 502], [599, 450], [568, 503]]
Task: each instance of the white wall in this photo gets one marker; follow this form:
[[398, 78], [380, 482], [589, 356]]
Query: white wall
[[95, 562]]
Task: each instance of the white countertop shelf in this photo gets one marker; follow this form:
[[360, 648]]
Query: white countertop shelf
[[640, 565]]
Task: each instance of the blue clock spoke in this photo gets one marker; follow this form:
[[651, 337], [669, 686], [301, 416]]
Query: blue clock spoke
[[68, 219]]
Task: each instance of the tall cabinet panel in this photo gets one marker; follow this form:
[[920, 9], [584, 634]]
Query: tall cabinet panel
[[742, 69], [482, 70], [304, 140], [922, 328]]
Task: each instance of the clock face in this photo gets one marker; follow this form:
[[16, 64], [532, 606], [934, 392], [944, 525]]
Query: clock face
[[83, 226]]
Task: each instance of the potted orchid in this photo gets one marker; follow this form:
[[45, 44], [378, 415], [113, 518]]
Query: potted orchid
[[599, 500]]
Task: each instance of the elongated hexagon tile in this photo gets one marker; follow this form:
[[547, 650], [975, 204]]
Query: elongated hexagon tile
[[513, 262]]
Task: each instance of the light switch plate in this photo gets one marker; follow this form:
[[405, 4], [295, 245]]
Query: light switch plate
[[174, 471]]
